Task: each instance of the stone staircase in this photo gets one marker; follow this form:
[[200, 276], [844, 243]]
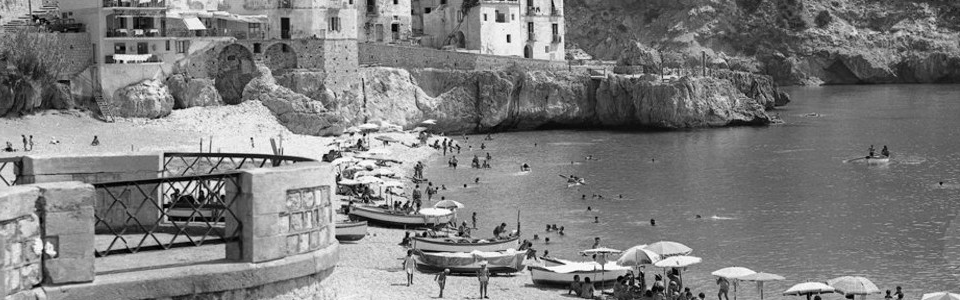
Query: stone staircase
[[25, 21]]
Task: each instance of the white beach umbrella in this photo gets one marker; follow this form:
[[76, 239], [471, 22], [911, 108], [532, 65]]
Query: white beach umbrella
[[352, 129], [344, 160], [435, 211], [637, 255], [349, 182], [665, 248], [940, 296], [387, 138], [855, 285], [418, 129], [760, 278], [368, 127], [733, 273], [448, 204], [806, 288], [678, 261], [429, 122]]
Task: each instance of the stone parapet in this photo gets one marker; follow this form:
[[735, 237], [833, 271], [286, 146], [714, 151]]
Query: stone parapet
[[20, 242], [68, 231]]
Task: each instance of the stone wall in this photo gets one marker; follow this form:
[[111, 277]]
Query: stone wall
[[420, 58], [19, 238], [79, 52]]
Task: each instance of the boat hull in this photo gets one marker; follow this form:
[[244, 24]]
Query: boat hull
[[877, 160], [440, 245], [542, 276], [468, 263], [351, 231], [383, 217]]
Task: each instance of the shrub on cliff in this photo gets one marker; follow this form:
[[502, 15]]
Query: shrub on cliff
[[823, 19], [32, 62]]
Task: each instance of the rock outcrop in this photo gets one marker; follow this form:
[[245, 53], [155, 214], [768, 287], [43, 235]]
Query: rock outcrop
[[299, 113], [146, 99], [193, 92]]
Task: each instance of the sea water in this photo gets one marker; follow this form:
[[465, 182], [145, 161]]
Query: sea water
[[787, 199]]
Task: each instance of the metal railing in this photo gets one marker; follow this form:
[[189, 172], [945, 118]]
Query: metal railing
[[136, 32], [165, 213], [217, 32], [134, 3], [184, 164], [109, 59], [10, 168]]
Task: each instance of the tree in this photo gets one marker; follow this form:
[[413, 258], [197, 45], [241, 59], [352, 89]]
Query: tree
[[33, 61]]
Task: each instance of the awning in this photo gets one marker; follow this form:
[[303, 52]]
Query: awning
[[193, 23]]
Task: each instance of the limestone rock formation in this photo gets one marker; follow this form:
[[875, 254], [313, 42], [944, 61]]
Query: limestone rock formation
[[146, 99], [193, 92], [296, 111]]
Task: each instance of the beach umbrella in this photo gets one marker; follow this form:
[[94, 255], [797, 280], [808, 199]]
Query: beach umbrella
[[940, 296], [678, 261], [665, 248], [418, 129], [387, 139], [349, 182], [448, 204], [807, 288], [352, 129], [429, 122], [343, 160], [854, 285], [368, 127], [637, 255], [601, 254], [368, 180], [760, 278], [733, 273]]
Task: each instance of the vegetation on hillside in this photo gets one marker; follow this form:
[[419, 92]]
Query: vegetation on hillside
[[32, 63]]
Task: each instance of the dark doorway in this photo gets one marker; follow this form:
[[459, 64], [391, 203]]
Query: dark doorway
[[142, 48], [285, 28], [527, 52], [395, 31]]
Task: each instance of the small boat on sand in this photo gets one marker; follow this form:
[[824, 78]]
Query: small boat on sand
[[562, 275], [351, 231], [427, 217], [510, 261], [458, 244]]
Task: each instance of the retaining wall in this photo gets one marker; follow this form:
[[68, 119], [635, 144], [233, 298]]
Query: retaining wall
[[419, 58]]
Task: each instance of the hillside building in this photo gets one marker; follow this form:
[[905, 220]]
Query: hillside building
[[524, 28], [383, 21]]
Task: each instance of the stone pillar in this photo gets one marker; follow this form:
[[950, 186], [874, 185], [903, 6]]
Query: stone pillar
[[20, 239], [93, 169], [283, 211], [68, 235]]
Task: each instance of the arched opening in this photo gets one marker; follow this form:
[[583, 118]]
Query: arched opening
[[235, 69], [461, 40], [527, 52], [280, 57]]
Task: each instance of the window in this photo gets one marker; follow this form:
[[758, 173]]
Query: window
[[256, 48], [183, 46], [334, 24], [546, 49], [508, 38], [168, 45], [443, 2], [427, 10], [556, 28], [484, 17], [351, 2], [459, 16], [513, 17], [119, 48], [396, 2], [285, 4], [501, 17]]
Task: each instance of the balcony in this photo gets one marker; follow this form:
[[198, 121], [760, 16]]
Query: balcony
[[135, 3], [285, 4], [533, 10], [135, 33], [557, 38], [218, 32], [131, 59]]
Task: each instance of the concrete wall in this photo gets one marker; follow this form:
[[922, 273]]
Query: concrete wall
[[419, 57], [47, 233], [494, 35], [285, 211]]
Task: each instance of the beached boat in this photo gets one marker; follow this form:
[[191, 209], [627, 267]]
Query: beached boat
[[877, 159], [351, 231], [457, 244], [427, 217], [510, 261], [563, 274]]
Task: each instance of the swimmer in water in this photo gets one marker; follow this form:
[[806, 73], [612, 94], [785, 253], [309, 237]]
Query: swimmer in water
[[536, 237], [443, 187], [596, 219], [620, 196], [546, 240], [699, 217], [941, 183], [583, 197], [653, 222], [589, 209], [561, 230], [464, 185], [476, 180], [548, 227]]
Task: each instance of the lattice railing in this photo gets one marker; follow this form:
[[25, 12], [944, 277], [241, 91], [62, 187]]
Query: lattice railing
[[165, 213], [10, 170], [182, 164]]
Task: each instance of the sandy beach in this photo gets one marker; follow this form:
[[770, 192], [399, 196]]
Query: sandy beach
[[368, 269]]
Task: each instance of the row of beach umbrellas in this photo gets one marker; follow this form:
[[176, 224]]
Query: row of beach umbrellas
[[384, 126]]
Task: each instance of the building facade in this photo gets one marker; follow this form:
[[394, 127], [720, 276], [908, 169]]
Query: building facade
[[136, 40], [523, 28], [383, 21]]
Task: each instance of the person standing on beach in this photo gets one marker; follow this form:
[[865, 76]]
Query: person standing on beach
[[25, 143], [724, 288], [442, 280], [474, 219], [483, 275], [409, 264], [31, 143]]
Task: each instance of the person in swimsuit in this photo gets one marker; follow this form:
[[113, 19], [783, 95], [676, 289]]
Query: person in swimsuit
[[409, 265], [724, 288], [483, 275]]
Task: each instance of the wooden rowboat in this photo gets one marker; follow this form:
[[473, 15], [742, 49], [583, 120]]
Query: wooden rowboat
[[455, 244], [467, 263], [427, 217], [351, 231], [877, 159], [563, 274]]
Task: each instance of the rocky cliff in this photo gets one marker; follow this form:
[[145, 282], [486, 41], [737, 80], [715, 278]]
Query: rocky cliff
[[795, 41], [479, 101]]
